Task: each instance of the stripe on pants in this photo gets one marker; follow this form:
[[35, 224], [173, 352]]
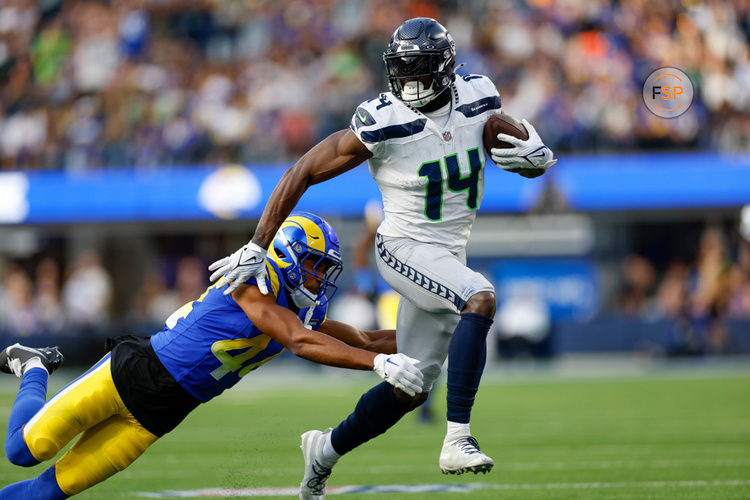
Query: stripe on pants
[[418, 278], [101, 365]]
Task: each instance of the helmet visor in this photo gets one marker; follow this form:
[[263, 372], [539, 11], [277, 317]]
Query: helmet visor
[[413, 74], [411, 64]]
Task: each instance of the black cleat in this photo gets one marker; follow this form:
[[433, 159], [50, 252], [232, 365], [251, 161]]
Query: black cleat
[[13, 359]]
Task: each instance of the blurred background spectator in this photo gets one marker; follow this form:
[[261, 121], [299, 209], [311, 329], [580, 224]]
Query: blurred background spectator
[[88, 83], [17, 304], [522, 327], [87, 292]]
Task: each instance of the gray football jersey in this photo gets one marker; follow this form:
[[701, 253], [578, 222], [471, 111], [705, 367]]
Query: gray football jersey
[[431, 177]]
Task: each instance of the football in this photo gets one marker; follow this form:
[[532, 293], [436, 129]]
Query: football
[[501, 123]]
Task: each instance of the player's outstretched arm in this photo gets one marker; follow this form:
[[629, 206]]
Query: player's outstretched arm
[[334, 155], [376, 341], [284, 327]]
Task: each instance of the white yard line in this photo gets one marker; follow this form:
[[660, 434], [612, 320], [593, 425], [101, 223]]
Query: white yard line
[[429, 488], [178, 472]]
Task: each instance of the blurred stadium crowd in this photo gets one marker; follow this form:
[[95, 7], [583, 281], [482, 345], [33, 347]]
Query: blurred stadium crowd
[[698, 296], [81, 298], [161, 82]]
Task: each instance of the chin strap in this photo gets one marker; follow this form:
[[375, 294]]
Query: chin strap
[[309, 314], [301, 298]]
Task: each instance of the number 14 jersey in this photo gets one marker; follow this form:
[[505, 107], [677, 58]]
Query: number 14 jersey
[[431, 176]]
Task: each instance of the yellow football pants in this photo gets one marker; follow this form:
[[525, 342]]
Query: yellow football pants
[[112, 438]]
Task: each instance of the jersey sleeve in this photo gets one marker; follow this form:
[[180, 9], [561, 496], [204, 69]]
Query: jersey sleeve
[[479, 96], [369, 122], [485, 86]]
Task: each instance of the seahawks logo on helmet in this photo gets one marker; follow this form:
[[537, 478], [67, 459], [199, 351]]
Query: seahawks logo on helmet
[[420, 61], [306, 245]]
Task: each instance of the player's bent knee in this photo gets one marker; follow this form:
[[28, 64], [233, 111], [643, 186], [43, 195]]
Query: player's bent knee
[[75, 476], [20, 457], [483, 303], [410, 402], [44, 449], [19, 452], [75, 484]]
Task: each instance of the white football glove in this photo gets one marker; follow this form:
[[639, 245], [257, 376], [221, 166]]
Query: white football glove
[[400, 371], [528, 154], [250, 260]]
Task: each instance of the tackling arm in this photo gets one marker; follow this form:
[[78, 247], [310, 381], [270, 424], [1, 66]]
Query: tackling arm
[[284, 327], [332, 156], [376, 341]]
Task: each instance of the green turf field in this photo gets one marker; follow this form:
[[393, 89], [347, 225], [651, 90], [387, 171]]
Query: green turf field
[[682, 434]]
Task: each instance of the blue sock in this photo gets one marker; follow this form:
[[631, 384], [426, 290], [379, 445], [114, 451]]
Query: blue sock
[[467, 354], [376, 412], [44, 487], [31, 397]]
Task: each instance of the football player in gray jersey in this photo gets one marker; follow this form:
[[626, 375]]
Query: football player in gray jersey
[[423, 143]]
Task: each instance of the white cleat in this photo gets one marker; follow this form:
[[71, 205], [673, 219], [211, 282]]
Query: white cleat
[[313, 486], [463, 455]]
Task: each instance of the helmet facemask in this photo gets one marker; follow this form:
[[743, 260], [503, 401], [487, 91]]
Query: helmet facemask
[[417, 77], [420, 61], [309, 263]]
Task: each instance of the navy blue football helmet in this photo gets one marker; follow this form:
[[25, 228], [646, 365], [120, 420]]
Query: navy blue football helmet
[[420, 61]]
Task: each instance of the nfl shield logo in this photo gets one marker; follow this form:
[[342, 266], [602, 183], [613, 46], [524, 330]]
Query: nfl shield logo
[[447, 136]]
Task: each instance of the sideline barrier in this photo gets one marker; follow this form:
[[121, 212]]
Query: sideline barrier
[[601, 182]]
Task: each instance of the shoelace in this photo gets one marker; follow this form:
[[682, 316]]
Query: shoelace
[[469, 445], [317, 484]]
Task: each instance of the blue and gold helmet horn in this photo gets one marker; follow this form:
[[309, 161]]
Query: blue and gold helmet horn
[[305, 238]]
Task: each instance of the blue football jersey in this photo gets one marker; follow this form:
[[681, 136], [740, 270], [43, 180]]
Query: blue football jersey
[[210, 343]]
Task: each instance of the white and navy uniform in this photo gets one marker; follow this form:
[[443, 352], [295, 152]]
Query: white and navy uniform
[[430, 171]]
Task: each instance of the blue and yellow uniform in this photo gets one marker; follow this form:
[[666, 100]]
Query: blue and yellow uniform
[[209, 344], [145, 387]]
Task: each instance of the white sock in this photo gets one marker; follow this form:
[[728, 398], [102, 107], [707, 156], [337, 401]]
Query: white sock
[[456, 430], [34, 363], [329, 457]]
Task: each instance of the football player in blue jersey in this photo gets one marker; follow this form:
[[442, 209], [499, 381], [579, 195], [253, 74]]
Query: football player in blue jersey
[[423, 143], [145, 386]]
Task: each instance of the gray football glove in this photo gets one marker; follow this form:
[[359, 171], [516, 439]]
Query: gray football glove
[[400, 371], [248, 261], [528, 154]]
